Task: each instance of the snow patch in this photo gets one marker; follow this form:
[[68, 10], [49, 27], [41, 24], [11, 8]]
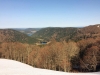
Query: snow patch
[[11, 67]]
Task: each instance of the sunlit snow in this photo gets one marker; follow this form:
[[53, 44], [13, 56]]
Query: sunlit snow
[[11, 67]]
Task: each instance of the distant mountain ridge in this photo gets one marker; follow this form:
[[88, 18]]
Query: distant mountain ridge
[[91, 31], [9, 35], [28, 31], [57, 33], [68, 33], [49, 33]]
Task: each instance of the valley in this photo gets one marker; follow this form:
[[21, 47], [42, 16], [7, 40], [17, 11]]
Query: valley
[[62, 49]]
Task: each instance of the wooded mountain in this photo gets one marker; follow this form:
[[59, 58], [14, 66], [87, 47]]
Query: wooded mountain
[[47, 34], [81, 54], [55, 33], [92, 31], [9, 35], [68, 33], [28, 31]]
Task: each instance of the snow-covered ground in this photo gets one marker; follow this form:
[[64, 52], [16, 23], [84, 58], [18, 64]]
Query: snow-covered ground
[[11, 67]]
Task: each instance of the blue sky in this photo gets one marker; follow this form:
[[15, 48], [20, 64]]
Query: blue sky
[[48, 13]]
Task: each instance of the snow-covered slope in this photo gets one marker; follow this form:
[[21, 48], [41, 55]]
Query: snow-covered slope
[[11, 67]]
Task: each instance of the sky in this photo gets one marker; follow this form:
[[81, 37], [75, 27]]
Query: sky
[[48, 13]]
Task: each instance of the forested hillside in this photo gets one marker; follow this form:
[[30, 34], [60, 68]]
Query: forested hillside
[[9, 35], [59, 34], [28, 31], [92, 31], [82, 56], [68, 33], [69, 50]]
